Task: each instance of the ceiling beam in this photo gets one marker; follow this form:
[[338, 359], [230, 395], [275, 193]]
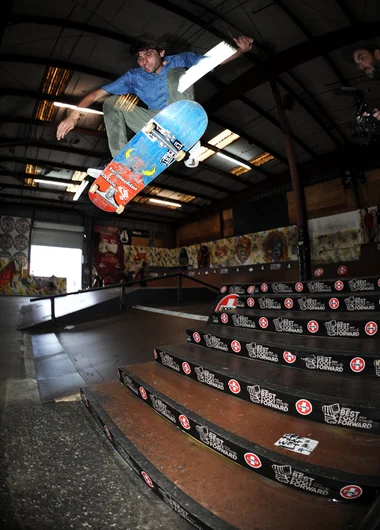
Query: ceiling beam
[[20, 174], [207, 26], [40, 96], [69, 195], [80, 26], [262, 112], [328, 162], [8, 118], [290, 58], [306, 31], [14, 199], [350, 15], [251, 140], [115, 36], [93, 154], [41, 144], [60, 165], [49, 61]]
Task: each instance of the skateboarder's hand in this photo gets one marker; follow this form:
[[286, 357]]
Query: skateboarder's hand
[[244, 43], [66, 126]]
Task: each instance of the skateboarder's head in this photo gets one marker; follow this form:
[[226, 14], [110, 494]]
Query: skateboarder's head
[[149, 54]]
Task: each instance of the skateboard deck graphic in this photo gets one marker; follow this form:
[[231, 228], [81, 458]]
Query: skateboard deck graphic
[[163, 140]]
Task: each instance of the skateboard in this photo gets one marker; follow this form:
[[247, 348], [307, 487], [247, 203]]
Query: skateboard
[[163, 140]]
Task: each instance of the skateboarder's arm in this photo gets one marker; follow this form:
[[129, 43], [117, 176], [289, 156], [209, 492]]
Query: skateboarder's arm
[[70, 122], [244, 44]]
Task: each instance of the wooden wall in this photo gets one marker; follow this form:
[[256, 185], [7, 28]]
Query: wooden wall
[[199, 231], [329, 198], [326, 198]]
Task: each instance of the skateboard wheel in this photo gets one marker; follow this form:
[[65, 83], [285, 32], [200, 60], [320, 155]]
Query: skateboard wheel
[[180, 156], [120, 209], [148, 128], [94, 188]]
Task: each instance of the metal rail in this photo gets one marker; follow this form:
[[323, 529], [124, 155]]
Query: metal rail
[[122, 286]]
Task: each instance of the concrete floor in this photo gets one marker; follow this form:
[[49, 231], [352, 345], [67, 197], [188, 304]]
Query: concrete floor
[[57, 470]]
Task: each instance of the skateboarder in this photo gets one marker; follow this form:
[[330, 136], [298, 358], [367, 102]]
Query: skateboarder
[[155, 82], [140, 274]]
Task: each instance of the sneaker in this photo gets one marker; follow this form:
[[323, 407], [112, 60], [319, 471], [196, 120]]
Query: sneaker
[[192, 161]]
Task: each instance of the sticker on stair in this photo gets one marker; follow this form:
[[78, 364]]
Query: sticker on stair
[[172, 313], [298, 444]]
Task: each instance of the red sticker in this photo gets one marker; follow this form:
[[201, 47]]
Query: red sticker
[[313, 326], [224, 318], [184, 420], [147, 479], [223, 289], [196, 336], [289, 357], [107, 431], [371, 328], [318, 272], [252, 460], [288, 303], [251, 289], [143, 393], [250, 302], [334, 303], [304, 407], [357, 364], [236, 346], [155, 354], [263, 322], [186, 368], [342, 270], [234, 386], [264, 287], [299, 287], [338, 285], [351, 492]]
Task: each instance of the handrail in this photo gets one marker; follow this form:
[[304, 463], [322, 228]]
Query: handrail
[[122, 286]]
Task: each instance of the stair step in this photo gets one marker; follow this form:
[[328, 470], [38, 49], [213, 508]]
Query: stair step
[[301, 302], [352, 285], [189, 477], [327, 324], [352, 357], [315, 396], [168, 394]]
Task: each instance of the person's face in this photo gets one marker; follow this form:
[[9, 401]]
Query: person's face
[[368, 62], [150, 60]]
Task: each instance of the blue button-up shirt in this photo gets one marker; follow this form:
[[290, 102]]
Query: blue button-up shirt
[[151, 88]]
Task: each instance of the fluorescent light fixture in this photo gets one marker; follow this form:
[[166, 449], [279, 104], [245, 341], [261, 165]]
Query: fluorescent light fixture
[[165, 203], [80, 190], [53, 182], [74, 107], [233, 160], [210, 60]]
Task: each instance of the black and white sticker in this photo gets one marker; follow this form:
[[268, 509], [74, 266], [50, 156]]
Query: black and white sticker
[[296, 443]]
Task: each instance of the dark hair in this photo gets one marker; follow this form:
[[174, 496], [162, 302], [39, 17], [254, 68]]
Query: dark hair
[[146, 44], [348, 51]]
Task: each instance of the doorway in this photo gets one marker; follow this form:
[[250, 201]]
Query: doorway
[[58, 261]]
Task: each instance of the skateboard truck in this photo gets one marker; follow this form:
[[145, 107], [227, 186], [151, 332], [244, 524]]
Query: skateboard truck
[[164, 139], [109, 196]]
